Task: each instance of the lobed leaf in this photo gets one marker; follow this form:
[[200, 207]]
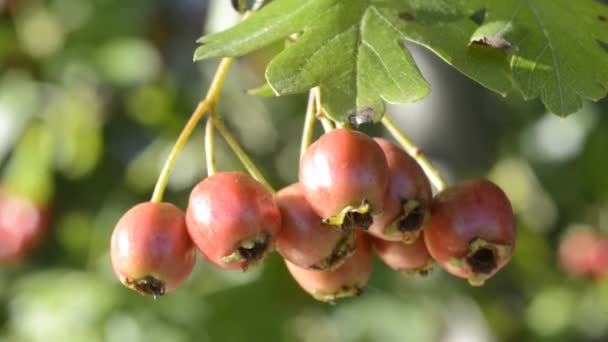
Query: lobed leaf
[[353, 50]]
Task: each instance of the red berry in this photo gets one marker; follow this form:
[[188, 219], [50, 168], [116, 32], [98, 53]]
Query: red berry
[[574, 252], [471, 232], [304, 239], [599, 258], [346, 281], [233, 220], [406, 200], [23, 223], [408, 258], [151, 250], [345, 176], [584, 252]]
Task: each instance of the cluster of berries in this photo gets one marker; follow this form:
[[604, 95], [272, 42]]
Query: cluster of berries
[[355, 195], [23, 223]]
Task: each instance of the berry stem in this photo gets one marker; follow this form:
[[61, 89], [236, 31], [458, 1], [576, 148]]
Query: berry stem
[[413, 150], [209, 145], [203, 106], [309, 123], [241, 154], [328, 126], [163, 178]]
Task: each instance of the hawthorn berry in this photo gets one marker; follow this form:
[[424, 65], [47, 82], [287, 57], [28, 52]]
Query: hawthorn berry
[[584, 252], [599, 259], [23, 223], [305, 240], [345, 175], [411, 258], [348, 280], [406, 200], [150, 249], [471, 232], [233, 220]]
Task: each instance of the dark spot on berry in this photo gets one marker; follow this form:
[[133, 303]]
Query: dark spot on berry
[[257, 251], [344, 248], [413, 221], [601, 18], [482, 261], [407, 16], [354, 220], [148, 286]]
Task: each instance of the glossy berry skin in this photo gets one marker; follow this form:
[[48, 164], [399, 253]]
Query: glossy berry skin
[[411, 258], [305, 240], [471, 232], [151, 251], [346, 281], [233, 220], [341, 172], [407, 199], [23, 224]]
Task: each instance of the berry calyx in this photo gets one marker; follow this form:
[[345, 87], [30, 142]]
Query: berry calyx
[[304, 239], [471, 232], [151, 251], [233, 220], [411, 258], [406, 200], [345, 175], [346, 281]]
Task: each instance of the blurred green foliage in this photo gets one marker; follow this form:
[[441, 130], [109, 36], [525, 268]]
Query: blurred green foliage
[[94, 92]]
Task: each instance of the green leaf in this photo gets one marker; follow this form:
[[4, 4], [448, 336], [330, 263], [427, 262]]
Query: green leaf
[[450, 41], [352, 50], [556, 49], [551, 47], [262, 91]]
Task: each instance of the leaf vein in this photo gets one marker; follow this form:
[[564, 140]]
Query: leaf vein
[[378, 57], [553, 53]]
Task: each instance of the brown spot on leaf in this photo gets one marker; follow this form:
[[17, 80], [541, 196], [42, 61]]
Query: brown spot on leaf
[[492, 42], [478, 17], [363, 116], [603, 45], [407, 16]]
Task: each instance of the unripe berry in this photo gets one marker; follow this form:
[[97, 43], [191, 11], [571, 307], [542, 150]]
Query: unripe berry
[[345, 175], [150, 249], [304, 239], [471, 232], [233, 220], [407, 199], [348, 280]]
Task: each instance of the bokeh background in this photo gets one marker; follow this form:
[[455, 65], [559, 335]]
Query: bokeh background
[[94, 92]]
